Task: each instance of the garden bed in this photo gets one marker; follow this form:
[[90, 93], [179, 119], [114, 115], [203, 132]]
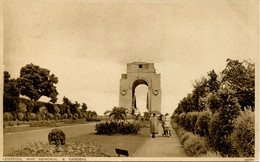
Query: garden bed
[[109, 143], [71, 149]]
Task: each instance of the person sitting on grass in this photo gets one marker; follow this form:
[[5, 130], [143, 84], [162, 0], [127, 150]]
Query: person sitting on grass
[[154, 125]]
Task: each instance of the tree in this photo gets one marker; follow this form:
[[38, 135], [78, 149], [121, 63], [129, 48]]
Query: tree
[[74, 108], [35, 82], [84, 107], [222, 123], [214, 101], [241, 79], [213, 83], [200, 91], [71, 107], [56, 109], [67, 103], [118, 113], [107, 112], [10, 89], [11, 93]]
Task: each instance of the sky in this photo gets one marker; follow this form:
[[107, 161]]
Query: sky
[[87, 44]]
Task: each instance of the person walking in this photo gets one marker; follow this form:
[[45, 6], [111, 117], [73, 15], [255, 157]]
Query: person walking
[[154, 125], [163, 121], [167, 125]]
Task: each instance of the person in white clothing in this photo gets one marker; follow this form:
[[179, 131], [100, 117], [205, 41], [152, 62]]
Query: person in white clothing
[[167, 125]]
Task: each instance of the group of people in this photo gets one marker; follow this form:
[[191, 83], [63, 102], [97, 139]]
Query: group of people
[[166, 125]]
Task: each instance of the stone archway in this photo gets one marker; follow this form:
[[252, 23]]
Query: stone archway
[[140, 73]]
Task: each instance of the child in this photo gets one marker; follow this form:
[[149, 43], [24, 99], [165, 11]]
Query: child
[[167, 125]]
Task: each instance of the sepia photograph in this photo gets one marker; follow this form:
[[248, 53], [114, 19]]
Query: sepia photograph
[[129, 80]]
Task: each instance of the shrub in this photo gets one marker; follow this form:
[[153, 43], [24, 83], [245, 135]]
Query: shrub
[[243, 136], [80, 114], [8, 116], [43, 110], [5, 124], [222, 126], [12, 123], [57, 116], [70, 115], [211, 154], [22, 108], [75, 116], [181, 120], [194, 117], [202, 124], [180, 132], [31, 116], [65, 116], [195, 145], [118, 127], [20, 123], [175, 117], [50, 116], [43, 123], [56, 109], [41, 115], [175, 126], [20, 116], [93, 119], [184, 137], [187, 122], [57, 137]]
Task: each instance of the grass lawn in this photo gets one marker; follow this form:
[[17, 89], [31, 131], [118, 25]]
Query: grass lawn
[[24, 128], [21, 129], [109, 143]]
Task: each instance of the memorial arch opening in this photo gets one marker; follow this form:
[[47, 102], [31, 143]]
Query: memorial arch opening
[[140, 73], [136, 94]]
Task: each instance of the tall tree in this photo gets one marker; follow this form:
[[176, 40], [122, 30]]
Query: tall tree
[[35, 82], [222, 126], [10, 89], [67, 104], [84, 107], [213, 83], [241, 79], [11, 92], [200, 90]]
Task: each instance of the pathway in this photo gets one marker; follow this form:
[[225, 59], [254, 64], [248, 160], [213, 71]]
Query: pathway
[[14, 141], [161, 146]]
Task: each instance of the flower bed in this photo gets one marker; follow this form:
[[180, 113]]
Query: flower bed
[[70, 149]]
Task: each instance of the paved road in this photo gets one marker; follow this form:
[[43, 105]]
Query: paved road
[[14, 141], [162, 146]]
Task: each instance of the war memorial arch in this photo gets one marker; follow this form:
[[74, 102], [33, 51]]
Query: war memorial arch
[[140, 73]]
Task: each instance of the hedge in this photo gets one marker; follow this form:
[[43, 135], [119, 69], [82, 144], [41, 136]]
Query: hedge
[[113, 127], [8, 116], [202, 124], [194, 145], [12, 104], [243, 136]]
